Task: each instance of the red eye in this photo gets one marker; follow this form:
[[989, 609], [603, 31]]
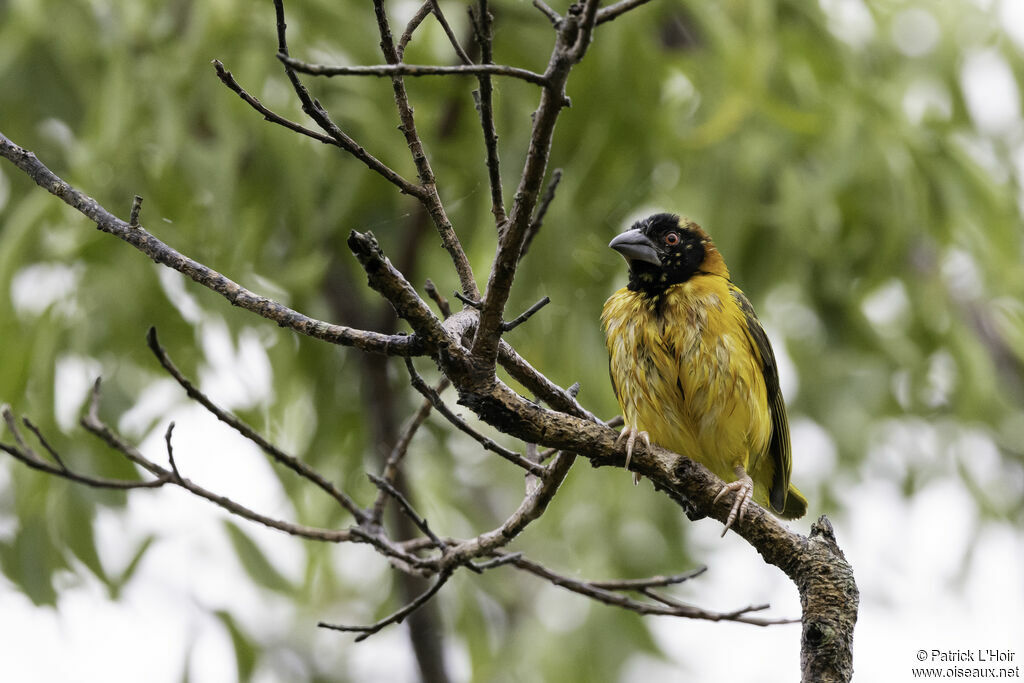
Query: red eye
[[672, 239]]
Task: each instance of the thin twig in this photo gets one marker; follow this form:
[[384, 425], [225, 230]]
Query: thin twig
[[484, 98], [439, 299], [414, 23], [590, 590], [335, 136], [488, 444], [395, 618], [525, 315], [430, 197], [407, 508], [390, 470], [554, 17], [530, 509], [452, 38], [45, 444], [133, 217], [24, 454], [650, 582], [618, 9], [318, 114], [573, 39], [279, 456], [588, 20], [170, 451], [101, 430], [540, 385], [542, 209], [403, 69], [466, 300], [138, 237], [496, 562]]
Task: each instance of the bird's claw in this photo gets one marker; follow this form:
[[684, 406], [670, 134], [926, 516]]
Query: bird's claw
[[631, 434], [744, 490]]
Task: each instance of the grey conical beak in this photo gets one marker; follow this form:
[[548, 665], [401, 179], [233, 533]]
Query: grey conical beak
[[635, 246]]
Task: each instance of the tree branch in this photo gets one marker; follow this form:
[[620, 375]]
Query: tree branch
[[488, 444], [279, 456], [570, 46], [396, 618], [422, 13], [618, 9], [452, 38], [403, 69], [431, 199], [390, 470], [542, 210], [482, 28], [138, 237], [611, 597], [335, 135]]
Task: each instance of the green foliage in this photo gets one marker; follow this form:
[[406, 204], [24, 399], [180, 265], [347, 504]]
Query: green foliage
[[873, 224]]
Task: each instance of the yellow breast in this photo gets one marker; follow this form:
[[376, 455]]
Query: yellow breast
[[685, 371]]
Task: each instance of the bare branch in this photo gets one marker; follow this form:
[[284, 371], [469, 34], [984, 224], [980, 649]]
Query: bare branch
[[133, 217], [529, 510], [618, 9], [43, 442], [539, 385], [228, 79], [496, 562], [452, 38], [152, 247], [386, 279], [430, 198], [542, 209], [650, 582], [279, 456], [390, 471], [407, 508], [488, 444], [466, 300], [573, 38], [482, 20], [319, 114], [554, 17], [586, 29], [442, 303], [396, 618], [610, 597], [403, 69], [25, 454], [525, 315], [170, 450], [425, 9]]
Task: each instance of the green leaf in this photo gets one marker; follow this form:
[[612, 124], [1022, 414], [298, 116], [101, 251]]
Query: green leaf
[[246, 652], [255, 562]]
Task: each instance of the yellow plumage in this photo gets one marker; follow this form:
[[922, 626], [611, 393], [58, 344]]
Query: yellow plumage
[[691, 365]]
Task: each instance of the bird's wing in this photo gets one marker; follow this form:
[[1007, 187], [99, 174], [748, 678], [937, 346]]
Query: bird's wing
[[778, 445]]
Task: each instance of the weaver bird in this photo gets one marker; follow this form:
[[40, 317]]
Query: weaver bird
[[692, 367]]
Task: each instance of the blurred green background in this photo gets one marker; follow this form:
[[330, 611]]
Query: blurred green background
[[858, 164]]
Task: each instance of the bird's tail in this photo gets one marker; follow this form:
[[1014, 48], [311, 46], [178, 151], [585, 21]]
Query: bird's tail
[[796, 504]]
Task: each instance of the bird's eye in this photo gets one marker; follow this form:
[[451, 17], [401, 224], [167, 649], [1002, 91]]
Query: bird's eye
[[672, 239]]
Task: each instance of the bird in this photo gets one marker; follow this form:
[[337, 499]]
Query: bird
[[692, 367]]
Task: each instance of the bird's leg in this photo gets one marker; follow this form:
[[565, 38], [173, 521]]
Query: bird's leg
[[744, 489], [631, 434]]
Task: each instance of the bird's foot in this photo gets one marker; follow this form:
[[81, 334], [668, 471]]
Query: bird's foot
[[630, 434], [743, 487]]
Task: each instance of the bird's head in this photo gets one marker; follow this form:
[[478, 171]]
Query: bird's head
[[663, 250]]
